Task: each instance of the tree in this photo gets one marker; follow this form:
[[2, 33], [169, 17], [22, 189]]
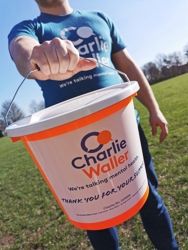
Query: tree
[[160, 59], [14, 114], [173, 62], [35, 107], [2, 127], [2, 124], [166, 66], [185, 49], [151, 71]]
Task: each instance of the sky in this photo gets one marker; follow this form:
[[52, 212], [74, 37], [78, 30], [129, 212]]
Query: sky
[[149, 28]]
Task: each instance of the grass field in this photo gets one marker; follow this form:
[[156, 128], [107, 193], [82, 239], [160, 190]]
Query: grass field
[[30, 217]]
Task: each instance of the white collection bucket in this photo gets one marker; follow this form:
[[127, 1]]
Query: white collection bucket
[[88, 151]]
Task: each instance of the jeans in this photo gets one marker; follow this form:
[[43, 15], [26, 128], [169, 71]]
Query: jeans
[[154, 215]]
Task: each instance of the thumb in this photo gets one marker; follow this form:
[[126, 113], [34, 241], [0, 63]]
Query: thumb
[[85, 64], [154, 130]]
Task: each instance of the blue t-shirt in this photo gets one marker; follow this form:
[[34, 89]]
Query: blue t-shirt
[[93, 34]]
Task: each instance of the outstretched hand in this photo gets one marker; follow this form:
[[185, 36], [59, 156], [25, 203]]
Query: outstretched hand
[[58, 60], [158, 120]]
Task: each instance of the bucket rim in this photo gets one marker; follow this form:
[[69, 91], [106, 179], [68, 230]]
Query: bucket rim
[[54, 116]]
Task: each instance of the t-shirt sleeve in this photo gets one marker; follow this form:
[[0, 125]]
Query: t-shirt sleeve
[[118, 43], [25, 28]]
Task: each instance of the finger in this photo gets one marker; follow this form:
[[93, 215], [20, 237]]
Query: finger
[[44, 67], [67, 55], [38, 57], [61, 54], [154, 130], [67, 60], [49, 50], [63, 59], [162, 136], [73, 56], [164, 133], [84, 64]]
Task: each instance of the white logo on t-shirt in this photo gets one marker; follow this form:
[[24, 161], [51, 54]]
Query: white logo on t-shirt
[[93, 46]]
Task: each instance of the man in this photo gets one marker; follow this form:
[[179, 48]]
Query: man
[[54, 42]]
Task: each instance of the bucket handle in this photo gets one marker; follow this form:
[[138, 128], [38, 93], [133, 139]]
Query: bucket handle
[[120, 72], [37, 69], [10, 105]]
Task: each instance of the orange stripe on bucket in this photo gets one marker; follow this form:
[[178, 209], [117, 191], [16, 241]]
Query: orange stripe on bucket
[[115, 220], [79, 123], [97, 225], [24, 140], [15, 139]]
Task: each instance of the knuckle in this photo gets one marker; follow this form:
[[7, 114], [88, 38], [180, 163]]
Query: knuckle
[[56, 41], [36, 49], [68, 43], [45, 44]]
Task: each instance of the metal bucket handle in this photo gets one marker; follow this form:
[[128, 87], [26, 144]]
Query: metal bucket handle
[[38, 69]]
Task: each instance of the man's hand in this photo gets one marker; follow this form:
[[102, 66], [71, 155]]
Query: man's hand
[[58, 60], [158, 120]]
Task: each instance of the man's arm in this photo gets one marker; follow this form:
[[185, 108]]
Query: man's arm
[[21, 49], [124, 62], [57, 59]]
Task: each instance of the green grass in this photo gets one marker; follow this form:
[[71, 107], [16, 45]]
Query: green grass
[[30, 218]]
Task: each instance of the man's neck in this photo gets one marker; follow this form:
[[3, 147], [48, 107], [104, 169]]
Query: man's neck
[[64, 9]]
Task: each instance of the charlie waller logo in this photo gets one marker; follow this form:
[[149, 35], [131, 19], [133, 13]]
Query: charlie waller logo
[[87, 42], [82, 33], [96, 159]]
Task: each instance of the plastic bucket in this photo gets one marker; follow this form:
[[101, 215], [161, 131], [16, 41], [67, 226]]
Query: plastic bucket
[[88, 151]]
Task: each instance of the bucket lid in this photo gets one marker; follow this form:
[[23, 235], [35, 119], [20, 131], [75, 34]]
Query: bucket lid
[[72, 109]]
